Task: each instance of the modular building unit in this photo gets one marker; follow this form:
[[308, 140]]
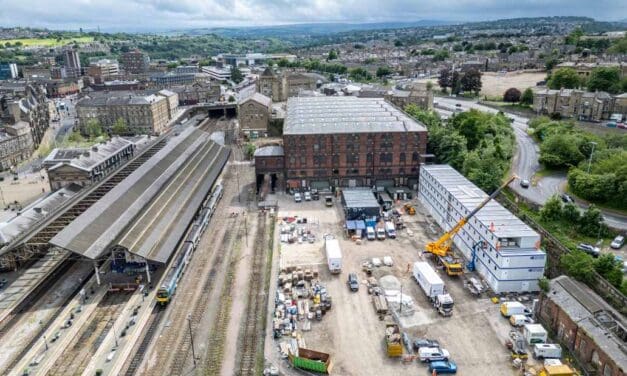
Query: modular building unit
[[509, 258], [359, 204]]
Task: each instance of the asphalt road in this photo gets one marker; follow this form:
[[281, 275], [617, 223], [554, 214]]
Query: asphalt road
[[525, 162]]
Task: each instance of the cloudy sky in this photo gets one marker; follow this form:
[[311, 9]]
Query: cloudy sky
[[179, 14]]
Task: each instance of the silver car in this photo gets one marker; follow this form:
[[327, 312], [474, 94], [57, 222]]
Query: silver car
[[618, 242]]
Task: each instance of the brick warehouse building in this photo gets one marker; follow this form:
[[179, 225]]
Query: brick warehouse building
[[347, 142]]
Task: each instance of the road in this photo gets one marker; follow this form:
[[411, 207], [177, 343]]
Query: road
[[525, 162]]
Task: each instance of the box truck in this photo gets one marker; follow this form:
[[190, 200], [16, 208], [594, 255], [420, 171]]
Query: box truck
[[535, 333], [547, 351], [514, 308], [433, 287], [334, 254]]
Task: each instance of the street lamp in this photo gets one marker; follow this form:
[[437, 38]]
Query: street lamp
[[591, 152], [115, 335], [41, 324], [191, 337]]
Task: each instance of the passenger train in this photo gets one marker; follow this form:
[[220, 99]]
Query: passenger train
[[183, 256]]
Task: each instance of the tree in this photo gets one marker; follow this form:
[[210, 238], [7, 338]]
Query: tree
[[609, 268], [560, 151], [93, 129], [471, 81], [591, 223], [605, 79], [543, 283], [398, 43], [383, 71], [119, 128], [249, 150], [552, 210], [456, 85], [359, 74], [550, 63], [527, 97], [564, 78], [512, 95], [579, 265], [441, 55], [236, 75], [570, 213], [444, 80], [332, 55], [173, 65], [231, 99]]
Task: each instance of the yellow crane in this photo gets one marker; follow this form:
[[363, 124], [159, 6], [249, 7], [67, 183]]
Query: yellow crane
[[442, 247]]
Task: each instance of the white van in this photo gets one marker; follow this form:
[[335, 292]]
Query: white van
[[547, 351], [298, 197], [370, 233], [390, 230], [519, 320], [380, 233]]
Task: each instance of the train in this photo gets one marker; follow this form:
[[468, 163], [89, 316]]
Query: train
[[187, 247]]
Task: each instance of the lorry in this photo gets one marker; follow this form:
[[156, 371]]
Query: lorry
[[514, 308], [334, 254], [311, 360], [433, 287], [547, 351], [390, 230], [393, 341]]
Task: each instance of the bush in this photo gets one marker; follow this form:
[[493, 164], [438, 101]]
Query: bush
[[512, 95], [552, 210], [579, 265], [560, 151], [527, 97], [591, 223], [543, 283]]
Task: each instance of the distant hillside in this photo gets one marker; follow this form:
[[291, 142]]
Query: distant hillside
[[313, 29]]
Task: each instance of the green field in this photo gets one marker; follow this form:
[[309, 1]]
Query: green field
[[47, 42]]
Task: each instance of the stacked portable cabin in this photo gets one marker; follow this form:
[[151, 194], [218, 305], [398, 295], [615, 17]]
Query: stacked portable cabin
[[509, 258]]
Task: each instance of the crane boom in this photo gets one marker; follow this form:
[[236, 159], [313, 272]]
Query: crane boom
[[442, 246]]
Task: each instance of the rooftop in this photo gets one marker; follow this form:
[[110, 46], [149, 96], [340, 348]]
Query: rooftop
[[315, 115], [505, 223], [359, 198], [86, 159], [596, 317], [270, 151], [259, 98], [113, 100]]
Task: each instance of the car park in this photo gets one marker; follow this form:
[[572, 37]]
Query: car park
[[618, 242], [525, 183], [353, 282], [442, 367], [432, 354], [424, 342], [589, 249]]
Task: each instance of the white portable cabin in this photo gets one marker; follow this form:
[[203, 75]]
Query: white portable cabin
[[428, 279], [535, 333]]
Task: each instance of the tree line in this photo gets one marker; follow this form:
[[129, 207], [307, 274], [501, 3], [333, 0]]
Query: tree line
[[469, 81], [601, 79], [478, 144]]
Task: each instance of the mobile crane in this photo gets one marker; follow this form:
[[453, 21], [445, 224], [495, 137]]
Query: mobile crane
[[441, 248]]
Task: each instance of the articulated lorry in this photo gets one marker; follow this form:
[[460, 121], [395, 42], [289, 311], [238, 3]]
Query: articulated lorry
[[433, 287]]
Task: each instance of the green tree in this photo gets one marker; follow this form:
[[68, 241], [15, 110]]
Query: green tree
[[471, 81], [604, 79], [441, 55], [560, 151], [249, 150], [332, 55], [571, 214], [119, 128], [591, 223], [550, 63], [579, 265], [619, 46], [609, 268], [383, 71], [359, 74], [93, 129], [236, 75], [527, 97], [564, 78], [172, 65], [543, 283], [551, 210], [231, 99]]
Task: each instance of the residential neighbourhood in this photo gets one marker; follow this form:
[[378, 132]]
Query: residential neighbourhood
[[263, 189]]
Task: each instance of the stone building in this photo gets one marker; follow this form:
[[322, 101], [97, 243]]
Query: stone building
[[586, 325], [16, 144], [135, 62], [61, 88], [173, 101], [254, 115], [416, 94], [86, 166], [198, 92], [578, 104], [27, 103], [350, 141], [103, 69], [283, 85], [143, 114]]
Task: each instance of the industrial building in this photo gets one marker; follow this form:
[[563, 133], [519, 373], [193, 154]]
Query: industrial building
[[360, 204], [349, 142], [508, 256]]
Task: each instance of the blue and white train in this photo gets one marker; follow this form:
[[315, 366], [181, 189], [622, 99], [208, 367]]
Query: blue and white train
[[183, 256]]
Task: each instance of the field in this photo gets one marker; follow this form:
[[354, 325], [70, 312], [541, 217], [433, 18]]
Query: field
[[47, 42], [495, 84]]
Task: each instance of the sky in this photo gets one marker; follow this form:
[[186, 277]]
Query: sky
[[154, 15]]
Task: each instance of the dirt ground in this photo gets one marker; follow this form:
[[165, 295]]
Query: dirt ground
[[494, 84], [353, 334]]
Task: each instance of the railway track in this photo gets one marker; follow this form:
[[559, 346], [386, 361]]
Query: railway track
[[151, 327], [76, 357], [257, 302]]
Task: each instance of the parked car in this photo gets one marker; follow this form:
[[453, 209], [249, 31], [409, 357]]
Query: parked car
[[566, 198], [432, 354], [458, 104], [3, 282], [525, 183], [353, 282], [441, 367], [298, 197], [618, 242], [589, 249], [424, 342], [307, 196], [315, 195]]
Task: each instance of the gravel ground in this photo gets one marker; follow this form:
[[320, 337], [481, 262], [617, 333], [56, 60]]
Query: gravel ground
[[353, 334]]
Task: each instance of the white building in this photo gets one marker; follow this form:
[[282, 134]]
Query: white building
[[217, 73], [510, 259]]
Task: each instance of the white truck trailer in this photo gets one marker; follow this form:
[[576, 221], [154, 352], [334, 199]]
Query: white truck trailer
[[334, 254], [433, 287]]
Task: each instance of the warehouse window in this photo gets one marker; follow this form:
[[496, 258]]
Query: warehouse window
[[415, 157], [401, 158]]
